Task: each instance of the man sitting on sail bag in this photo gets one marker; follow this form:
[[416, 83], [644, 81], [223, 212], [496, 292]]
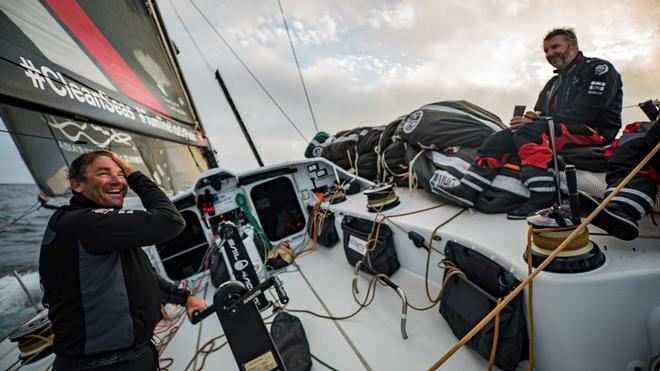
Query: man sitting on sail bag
[[637, 198], [584, 99], [102, 294]]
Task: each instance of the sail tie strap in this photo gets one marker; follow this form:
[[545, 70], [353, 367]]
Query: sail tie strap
[[412, 176]]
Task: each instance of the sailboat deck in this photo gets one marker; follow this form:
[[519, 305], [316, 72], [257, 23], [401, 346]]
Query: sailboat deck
[[371, 340], [321, 281]]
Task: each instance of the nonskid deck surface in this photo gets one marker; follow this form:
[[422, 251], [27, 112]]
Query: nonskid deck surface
[[371, 340]]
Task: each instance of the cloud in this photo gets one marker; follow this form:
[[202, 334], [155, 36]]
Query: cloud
[[400, 16], [367, 62]]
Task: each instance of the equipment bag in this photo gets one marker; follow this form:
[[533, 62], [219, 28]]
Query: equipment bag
[[381, 255], [322, 223], [468, 298]]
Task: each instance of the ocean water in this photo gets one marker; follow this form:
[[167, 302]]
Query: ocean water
[[19, 251]]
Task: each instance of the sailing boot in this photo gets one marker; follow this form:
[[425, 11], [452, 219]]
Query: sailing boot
[[542, 192], [617, 219], [475, 181]]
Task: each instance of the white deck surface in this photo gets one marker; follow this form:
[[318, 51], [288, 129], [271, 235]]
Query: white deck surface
[[369, 341]]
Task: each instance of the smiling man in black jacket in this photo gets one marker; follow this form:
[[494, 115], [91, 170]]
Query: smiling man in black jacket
[[102, 294], [584, 99]]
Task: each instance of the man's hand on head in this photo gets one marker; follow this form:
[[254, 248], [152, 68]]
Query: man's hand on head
[[123, 164]]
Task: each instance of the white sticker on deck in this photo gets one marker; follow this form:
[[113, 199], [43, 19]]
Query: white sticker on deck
[[265, 362], [358, 245]]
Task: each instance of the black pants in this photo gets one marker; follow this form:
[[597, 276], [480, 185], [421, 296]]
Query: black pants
[[640, 193], [146, 360], [631, 152]]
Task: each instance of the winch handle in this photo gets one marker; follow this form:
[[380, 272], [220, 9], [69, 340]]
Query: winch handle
[[573, 198], [553, 147], [199, 316]]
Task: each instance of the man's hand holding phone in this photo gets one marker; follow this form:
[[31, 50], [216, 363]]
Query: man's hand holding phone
[[519, 119]]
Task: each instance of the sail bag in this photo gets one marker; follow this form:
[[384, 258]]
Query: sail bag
[[449, 124]]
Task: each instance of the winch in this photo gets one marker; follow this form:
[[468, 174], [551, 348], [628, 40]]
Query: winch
[[550, 227], [381, 197], [35, 340]]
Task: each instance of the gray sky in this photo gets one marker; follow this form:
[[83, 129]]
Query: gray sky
[[367, 62]]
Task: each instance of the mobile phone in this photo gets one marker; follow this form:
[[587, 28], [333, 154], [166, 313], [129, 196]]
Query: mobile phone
[[518, 111]]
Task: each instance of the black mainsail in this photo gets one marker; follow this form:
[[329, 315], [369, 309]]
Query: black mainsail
[[81, 75]]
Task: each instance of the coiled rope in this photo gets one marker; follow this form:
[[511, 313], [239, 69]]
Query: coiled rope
[[381, 198], [551, 238]]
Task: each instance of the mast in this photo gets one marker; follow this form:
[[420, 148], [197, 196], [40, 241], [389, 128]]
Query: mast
[[238, 118]]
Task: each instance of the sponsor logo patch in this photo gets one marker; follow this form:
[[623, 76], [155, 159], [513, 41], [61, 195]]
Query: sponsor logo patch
[[102, 211], [316, 152], [596, 88], [601, 69], [443, 179], [412, 121], [241, 264]]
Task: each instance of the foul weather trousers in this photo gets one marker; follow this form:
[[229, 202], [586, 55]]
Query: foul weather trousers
[[532, 143], [641, 192]]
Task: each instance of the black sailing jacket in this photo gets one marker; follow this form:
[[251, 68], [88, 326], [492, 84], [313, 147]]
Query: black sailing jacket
[[587, 92], [101, 291]]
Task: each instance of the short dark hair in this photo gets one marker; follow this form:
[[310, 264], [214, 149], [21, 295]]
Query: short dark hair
[[78, 166], [567, 32]]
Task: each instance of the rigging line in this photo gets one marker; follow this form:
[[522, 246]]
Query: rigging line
[[199, 332], [341, 330], [295, 57], [254, 77], [321, 362], [27, 212], [194, 159], [199, 50]]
